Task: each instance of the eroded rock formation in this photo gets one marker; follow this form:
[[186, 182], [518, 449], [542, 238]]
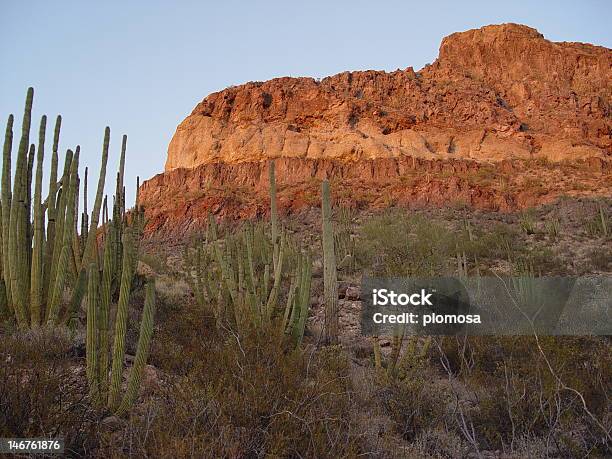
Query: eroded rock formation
[[493, 93], [498, 102]]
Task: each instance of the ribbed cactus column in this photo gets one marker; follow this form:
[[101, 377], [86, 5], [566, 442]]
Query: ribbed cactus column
[[273, 209], [142, 350], [121, 320], [66, 247], [90, 244], [60, 212], [92, 349], [36, 276], [103, 322], [18, 231], [51, 210], [6, 206], [330, 283], [303, 301]]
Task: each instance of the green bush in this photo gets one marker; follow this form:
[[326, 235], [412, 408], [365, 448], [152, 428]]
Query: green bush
[[397, 244]]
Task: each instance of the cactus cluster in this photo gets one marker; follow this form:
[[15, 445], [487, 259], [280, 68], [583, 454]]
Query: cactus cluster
[[401, 356], [44, 254], [243, 273], [105, 388], [41, 249]]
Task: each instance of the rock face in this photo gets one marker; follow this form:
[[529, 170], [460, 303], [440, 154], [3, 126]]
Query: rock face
[[177, 202], [478, 127], [493, 93]]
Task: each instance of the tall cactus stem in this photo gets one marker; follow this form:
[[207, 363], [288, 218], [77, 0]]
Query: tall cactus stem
[[18, 221], [103, 322], [330, 283], [142, 350], [273, 208], [51, 213], [90, 244], [36, 276], [6, 206], [92, 331], [59, 283], [60, 211], [121, 320]]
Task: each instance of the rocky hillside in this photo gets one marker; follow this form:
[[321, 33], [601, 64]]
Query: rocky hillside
[[495, 95], [494, 92]]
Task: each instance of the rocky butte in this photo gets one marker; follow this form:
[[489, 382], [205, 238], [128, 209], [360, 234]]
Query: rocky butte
[[500, 108]]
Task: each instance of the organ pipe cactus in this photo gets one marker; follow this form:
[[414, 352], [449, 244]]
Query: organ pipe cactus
[[68, 228], [37, 244], [18, 226], [127, 275], [6, 208], [330, 282], [97, 333], [43, 254], [40, 245], [142, 350], [90, 244], [243, 274], [273, 209]]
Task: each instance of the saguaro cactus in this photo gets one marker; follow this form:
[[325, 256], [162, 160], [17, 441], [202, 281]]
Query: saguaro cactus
[[330, 282]]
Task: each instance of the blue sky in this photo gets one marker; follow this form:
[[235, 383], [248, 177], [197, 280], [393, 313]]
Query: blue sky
[[141, 66]]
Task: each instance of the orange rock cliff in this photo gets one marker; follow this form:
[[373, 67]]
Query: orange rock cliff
[[495, 95]]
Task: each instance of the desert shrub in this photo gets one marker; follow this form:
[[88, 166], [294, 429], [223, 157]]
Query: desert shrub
[[553, 228], [397, 244], [599, 259], [181, 335], [527, 223], [412, 403], [537, 261], [43, 393], [599, 224], [248, 397], [438, 443], [501, 241], [519, 396]]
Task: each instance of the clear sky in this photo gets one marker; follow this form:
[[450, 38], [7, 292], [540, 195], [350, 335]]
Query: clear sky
[[141, 66]]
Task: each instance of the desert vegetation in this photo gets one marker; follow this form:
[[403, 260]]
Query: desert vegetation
[[243, 340]]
